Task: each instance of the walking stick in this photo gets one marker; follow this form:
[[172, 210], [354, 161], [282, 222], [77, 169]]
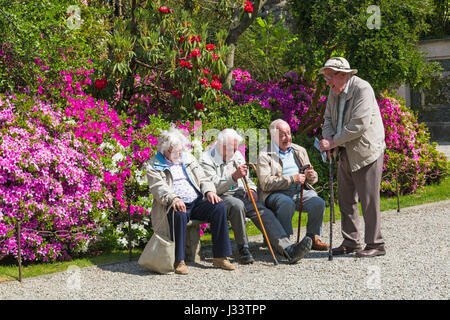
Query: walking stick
[[302, 169], [247, 187], [330, 251]]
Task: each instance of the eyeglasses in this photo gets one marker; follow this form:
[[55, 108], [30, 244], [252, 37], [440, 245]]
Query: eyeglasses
[[330, 77]]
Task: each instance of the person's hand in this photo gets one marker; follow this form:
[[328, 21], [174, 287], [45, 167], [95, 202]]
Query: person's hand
[[213, 198], [254, 194], [299, 178], [179, 205], [240, 172], [326, 144], [309, 173]]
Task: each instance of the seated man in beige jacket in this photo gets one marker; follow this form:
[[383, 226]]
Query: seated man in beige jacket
[[279, 181]]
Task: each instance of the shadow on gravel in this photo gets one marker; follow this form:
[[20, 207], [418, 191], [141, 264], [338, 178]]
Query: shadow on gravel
[[260, 252], [324, 255]]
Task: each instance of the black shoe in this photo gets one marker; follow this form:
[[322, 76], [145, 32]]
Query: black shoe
[[297, 251], [245, 257]]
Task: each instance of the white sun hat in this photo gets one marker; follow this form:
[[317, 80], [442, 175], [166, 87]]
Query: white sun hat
[[338, 64]]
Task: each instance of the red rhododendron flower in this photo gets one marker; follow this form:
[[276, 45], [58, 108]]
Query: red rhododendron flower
[[100, 83], [210, 47], [195, 39], [186, 64], [204, 82], [206, 71], [196, 52], [163, 9], [248, 7], [216, 85], [199, 106], [176, 94]]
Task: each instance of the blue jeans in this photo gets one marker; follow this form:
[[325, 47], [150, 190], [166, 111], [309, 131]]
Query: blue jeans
[[202, 209], [284, 203]]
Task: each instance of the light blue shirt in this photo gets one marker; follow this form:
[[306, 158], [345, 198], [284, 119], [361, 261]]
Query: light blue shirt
[[287, 158]]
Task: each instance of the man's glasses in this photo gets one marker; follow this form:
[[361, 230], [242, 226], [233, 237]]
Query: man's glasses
[[330, 77]]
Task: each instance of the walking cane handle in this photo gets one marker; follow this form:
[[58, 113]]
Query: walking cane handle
[[303, 168]]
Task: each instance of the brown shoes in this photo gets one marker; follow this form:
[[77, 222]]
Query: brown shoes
[[181, 267], [366, 253], [223, 263], [344, 250], [319, 245], [371, 252]]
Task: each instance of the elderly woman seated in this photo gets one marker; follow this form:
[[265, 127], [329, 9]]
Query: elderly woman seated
[[181, 189]]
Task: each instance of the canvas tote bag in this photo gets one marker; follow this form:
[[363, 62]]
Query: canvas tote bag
[[159, 253]]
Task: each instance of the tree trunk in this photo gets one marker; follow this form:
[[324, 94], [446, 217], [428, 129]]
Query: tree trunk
[[239, 25]]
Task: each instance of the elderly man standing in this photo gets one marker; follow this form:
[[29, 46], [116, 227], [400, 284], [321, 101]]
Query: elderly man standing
[[219, 163], [280, 179], [181, 189], [353, 128]]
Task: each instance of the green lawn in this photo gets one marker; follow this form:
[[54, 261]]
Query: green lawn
[[11, 272], [427, 194]]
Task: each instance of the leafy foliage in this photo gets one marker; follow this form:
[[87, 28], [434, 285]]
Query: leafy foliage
[[264, 47], [385, 54]]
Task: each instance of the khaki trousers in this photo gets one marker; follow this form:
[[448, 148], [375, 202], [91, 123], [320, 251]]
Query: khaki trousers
[[365, 185]]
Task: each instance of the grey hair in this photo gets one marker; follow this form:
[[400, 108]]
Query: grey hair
[[171, 138], [228, 134], [273, 127]]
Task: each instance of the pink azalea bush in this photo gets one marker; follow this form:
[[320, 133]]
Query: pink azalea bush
[[122, 145], [115, 148], [48, 182], [98, 181], [409, 155]]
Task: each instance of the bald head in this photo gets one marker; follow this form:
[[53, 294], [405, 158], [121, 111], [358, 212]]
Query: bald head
[[280, 132]]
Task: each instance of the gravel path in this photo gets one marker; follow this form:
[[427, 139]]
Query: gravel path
[[416, 266]]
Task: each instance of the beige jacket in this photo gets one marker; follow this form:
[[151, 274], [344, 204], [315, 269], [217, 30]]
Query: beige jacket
[[160, 183], [362, 132], [220, 172], [270, 171]]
